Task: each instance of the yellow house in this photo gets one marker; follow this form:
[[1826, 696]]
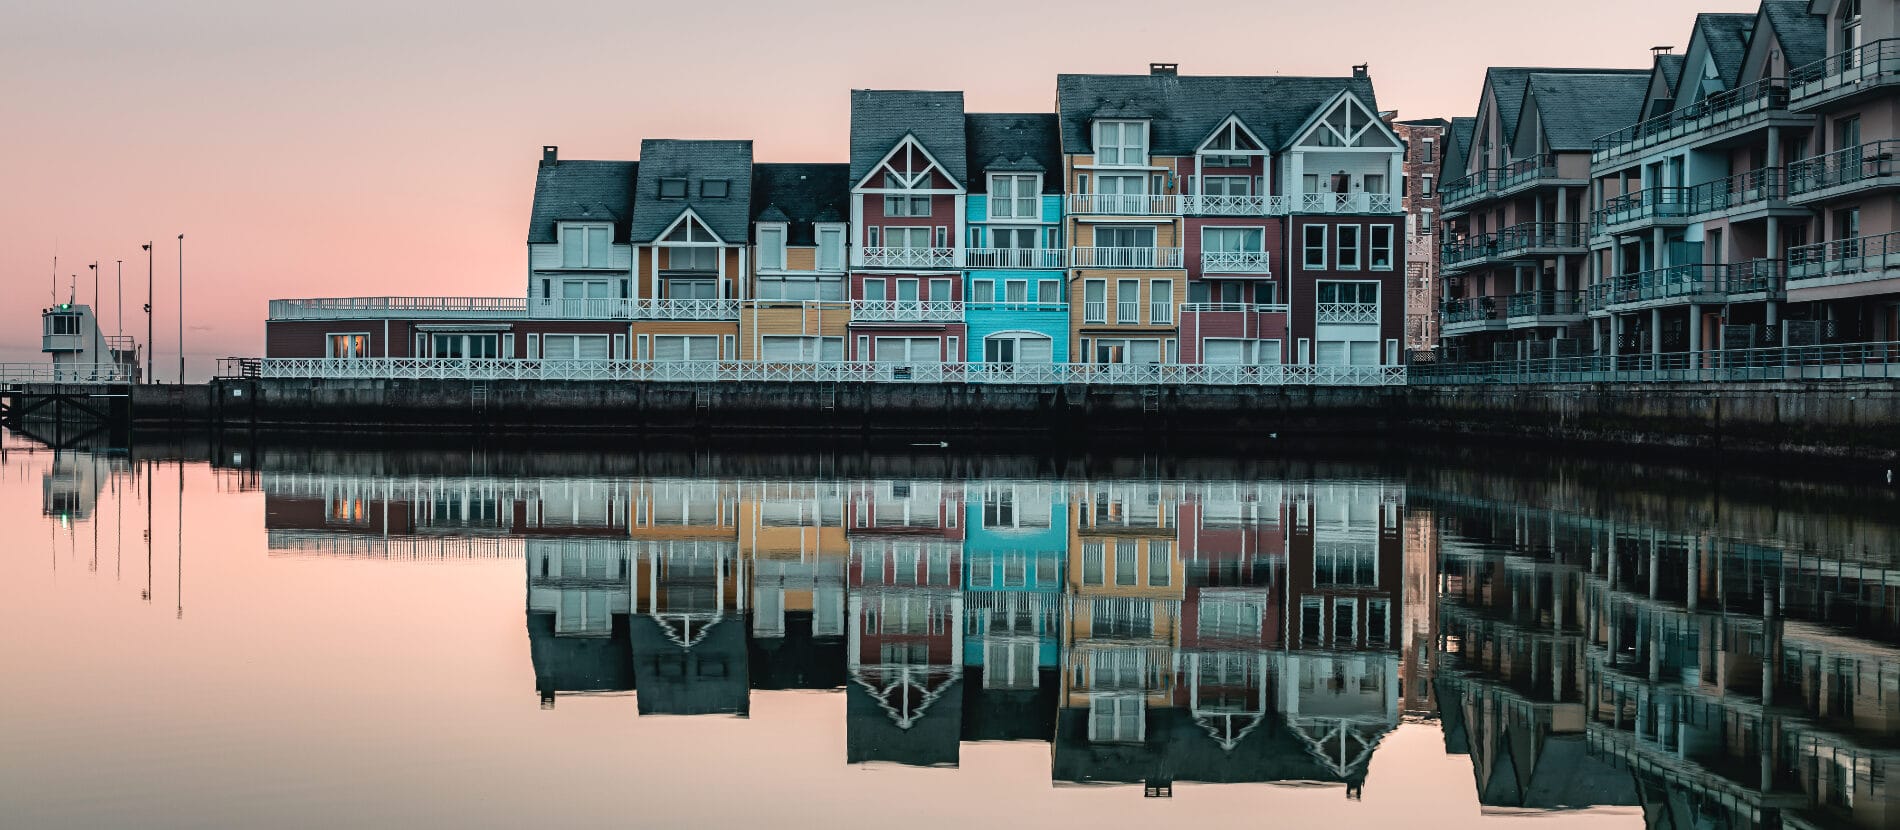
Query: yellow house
[[797, 308]]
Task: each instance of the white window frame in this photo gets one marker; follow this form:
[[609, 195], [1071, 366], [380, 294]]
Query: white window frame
[[1122, 147], [329, 345], [1425, 185], [1016, 201], [590, 258], [768, 246], [1307, 247], [1373, 247], [1340, 248], [832, 236]]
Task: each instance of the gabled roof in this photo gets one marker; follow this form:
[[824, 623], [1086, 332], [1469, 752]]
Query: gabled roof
[[581, 191], [881, 118], [696, 161], [1507, 85], [1803, 36], [1670, 66], [1458, 145], [1184, 109], [1725, 36], [799, 195], [1576, 108], [1013, 142]]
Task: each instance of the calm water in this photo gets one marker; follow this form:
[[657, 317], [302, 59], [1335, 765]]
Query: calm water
[[322, 637]]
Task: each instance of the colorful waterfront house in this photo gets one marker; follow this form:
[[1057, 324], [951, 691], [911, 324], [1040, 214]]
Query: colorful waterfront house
[[792, 536], [799, 310], [1182, 192], [1516, 210], [1233, 550], [1016, 546], [908, 185], [691, 221], [690, 593], [904, 622], [1016, 294]]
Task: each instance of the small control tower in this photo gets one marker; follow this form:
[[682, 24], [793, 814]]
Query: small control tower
[[81, 352]]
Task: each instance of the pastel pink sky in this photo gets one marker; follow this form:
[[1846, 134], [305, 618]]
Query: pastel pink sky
[[371, 147]]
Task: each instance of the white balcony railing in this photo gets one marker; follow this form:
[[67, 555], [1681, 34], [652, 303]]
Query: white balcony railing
[[940, 311], [1125, 257], [1012, 257], [406, 368], [1124, 204], [1234, 262], [1237, 205], [65, 373], [1236, 308], [1095, 312], [501, 308], [1128, 311], [1346, 313], [886, 257], [1160, 312], [606, 309], [1348, 203]]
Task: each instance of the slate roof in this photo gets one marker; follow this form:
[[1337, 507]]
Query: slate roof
[[1458, 146], [1727, 38], [1671, 68], [1508, 83], [695, 161], [881, 118], [581, 190], [799, 195], [1576, 108], [1013, 142], [1803, 36], [1185, 109]]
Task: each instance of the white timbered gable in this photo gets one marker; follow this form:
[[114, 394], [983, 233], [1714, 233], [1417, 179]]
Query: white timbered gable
[[1345, 123], [909, 168]]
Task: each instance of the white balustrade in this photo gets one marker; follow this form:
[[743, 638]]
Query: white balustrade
[[1125, 257], [1346, 313], [888, 257], [1124, 204], [1012, 257], [942, 311], [1234, 262]]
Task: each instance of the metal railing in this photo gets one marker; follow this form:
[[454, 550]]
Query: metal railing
[[401, 368], [888, 257], [1856, 259], [1257, 205], [1672, 282], [1470, 310], [1527, 236], [1012, 257], [1740, 190], [1524, 171], [1648, 203], [1128, 311], [948, 311], [1869, 61], [1832, 362], [1234, 262], [1346, 312], [1720, 109], [1125, 257], [1470, 188], [15, 373], [1757, 275], [1845, 166], [1124, 204], [1548, 303]]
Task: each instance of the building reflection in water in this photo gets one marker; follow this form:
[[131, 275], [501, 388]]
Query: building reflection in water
[[1155, 632]]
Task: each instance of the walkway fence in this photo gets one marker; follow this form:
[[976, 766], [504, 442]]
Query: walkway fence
[[17, 373], [403, 368], [1832, 362]]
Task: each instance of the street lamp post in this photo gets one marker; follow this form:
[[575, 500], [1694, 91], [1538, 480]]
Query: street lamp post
[[181, 309], [95, 292], [150, 351], [120, 312]]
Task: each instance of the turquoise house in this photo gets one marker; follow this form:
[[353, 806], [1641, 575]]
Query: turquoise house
[[1016, 304], [1016, 546]]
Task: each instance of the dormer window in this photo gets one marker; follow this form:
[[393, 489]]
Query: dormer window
[[1122, 143], [672, 188], [715, 188], [771, 247], [1015, 196]]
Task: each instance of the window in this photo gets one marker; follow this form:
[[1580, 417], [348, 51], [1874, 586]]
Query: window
[[1160, 562], [897, 205], [874, 290], [1021, 238], [1349, 292], [1847, 132], [672, 188], [1381, 248], [1232, 240], [871, 238], [1127, 301], [1161, 301], [463, 345], [982, 291], [1016, 292], [1314, 245], [1425, 150], [1346, 253], [799, 348], [1092, 563], [771, 247], [830, 247], [1049, 292], [1018, 347], [692, 259], [1125, 557], [800, 288], [586, 246], [1095, 301], [1015, 196], [340, 345], [1425, 185], [907, 237], [1425, 222], [1225, 161], [941, 290], [1125, 237], [1121, 143], [1117, 719], [1226, 185], [714, 188]]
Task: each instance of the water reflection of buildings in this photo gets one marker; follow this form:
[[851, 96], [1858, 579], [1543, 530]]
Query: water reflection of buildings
[[1714, 681], [1154, 632]]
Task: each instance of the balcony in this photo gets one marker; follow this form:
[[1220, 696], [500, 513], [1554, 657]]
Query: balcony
[[1647, 206], [1531, 308], [1727, 110], [500, 308], [1767, 277], [1235, 262], [1844, 261], [1541, 238], [1843, 76], [1346, 313], [1235, 308], [1671, 285], [1520, 174], [1465, 316], [1842, 172], [906, 311], [1161, 312], [1125, 257], [1012, 257], [887, 257], [1236, 205], [1124, 204], [615, 309], [1460, 192], [1348, 203]]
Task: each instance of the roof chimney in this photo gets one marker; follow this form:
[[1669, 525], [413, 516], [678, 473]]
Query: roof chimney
[[1659, 51], [1164, 69], [550, 154], [1359, 71]]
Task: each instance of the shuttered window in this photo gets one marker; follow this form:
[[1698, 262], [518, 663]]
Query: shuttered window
[[576, 347], [685, 347], [1225, 352]]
